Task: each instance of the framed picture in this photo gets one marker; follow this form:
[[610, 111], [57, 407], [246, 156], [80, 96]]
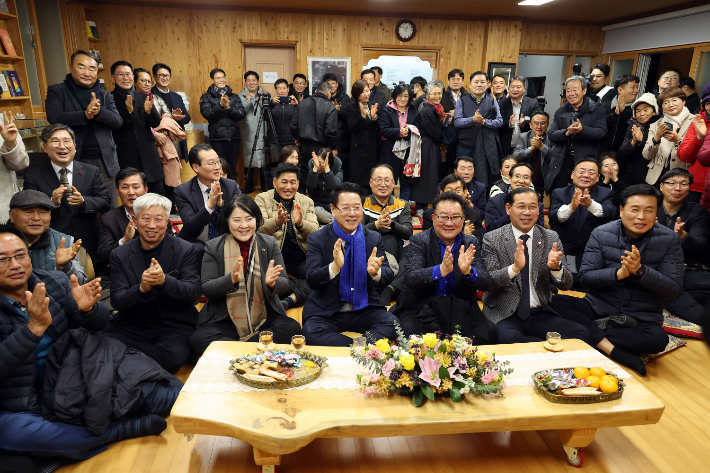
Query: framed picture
[[505, 69], [317, 66]]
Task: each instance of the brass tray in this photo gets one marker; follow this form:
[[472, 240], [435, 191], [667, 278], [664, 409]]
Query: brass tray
[[562, 399], [300, 376]]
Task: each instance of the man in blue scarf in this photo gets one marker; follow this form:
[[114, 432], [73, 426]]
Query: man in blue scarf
[[346, 267]]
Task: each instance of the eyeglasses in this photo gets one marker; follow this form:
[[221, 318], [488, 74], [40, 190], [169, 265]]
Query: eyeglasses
[[124, 74], [522, 208], [677, 185], [670, 77], [163, 76], [211, 164], [588, 172], [21, 258], [55, 143], [354, 210], [380, 180], [145, 81], [524, 177], [446, 218]]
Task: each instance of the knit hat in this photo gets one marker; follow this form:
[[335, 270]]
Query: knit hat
[[706, 94], [649, 99]]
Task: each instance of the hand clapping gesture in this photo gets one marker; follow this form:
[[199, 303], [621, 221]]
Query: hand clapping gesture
[[466, 259], [57, 195], [374, 263], [65, 255], [637, 135], [85, 296], [467, 198], [237, 270], [678, 228], [630, 263], [478, 118], [373, 111], [468, 228], [385, 219], [585, 199], [536, 142], [224, 101], [151, 277], [554, 258], [129, 233], [519, 259], [129, 103], [75, 198], [282, 216], [148, 105], [575, 128], [701, 128], [215, 197], [447, 263], [177, 114], [338, 256], [38, 309], [272, 274], [95, 107], [297, 213]]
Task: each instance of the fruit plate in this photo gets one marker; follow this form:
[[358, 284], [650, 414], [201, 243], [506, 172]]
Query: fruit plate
[[311, 368], [552, 396]]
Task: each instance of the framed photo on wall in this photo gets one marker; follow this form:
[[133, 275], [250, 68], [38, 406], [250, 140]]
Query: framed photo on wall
[[505, 69], [317, 66]]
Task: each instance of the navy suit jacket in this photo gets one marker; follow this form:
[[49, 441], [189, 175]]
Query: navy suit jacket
[[191, 206], [576, 230], [324, 300], [496, 216], [173, 303]]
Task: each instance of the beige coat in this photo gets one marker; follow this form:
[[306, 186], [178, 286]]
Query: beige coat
[[666, 152], [270, 210], [168, 153]]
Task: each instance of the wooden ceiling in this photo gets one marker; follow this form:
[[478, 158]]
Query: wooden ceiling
[[575, 11]]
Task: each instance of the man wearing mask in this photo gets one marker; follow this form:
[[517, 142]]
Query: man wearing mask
[[80, 102], [534, 147], [134, 139], [379, 85], [178, 111], [516, 110], [315, 123], [417, 84], [617, 121]]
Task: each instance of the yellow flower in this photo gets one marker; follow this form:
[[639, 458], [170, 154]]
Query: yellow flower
[[382, 345], [444, 359], [482, 357], [446, 384], [430, 340], [407, 362]]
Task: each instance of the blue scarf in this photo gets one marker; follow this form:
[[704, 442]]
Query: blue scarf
[[353, 274]]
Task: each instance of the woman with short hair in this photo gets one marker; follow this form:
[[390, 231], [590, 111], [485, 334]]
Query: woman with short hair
[[363, 124]]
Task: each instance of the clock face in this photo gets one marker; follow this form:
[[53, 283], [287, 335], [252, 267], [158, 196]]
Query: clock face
[[405, 30]]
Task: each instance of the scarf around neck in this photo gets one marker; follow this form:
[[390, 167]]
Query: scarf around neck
[[353, 274], [82, 94], [247, 305], [439, 109]]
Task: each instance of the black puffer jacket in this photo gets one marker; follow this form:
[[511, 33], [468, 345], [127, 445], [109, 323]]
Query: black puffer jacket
[[316, 121], [18, 343], [92, 380], [342, 99], [223, 123], [282, 122]]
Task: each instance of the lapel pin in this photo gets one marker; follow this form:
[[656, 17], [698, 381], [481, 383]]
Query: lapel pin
[[539, 243]]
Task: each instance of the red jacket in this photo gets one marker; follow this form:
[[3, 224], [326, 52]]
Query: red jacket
[[704, 159], [688, 152]]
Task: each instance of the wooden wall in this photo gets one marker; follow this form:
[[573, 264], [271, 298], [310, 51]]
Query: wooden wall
[[194, 41]]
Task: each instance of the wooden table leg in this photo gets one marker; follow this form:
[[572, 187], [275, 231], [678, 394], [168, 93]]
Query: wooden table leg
[[573, 440], [266, 460]]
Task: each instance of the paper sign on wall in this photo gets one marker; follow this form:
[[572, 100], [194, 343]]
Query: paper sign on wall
[[270, 77]]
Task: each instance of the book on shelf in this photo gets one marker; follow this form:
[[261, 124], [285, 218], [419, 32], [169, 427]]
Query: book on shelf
[[3, 85], [3, 6], [97, 55], [102, 84], [13, 83], [7, 43], [91, 29]]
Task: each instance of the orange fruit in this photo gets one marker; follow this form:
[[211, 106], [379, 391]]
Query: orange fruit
[[610, 378], [594, 381], [598, 372], [581, 372], [608, 386]]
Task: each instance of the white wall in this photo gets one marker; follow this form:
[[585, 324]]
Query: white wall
[[552, 67]]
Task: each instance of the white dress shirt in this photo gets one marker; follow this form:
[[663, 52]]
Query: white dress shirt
[[130, 219], [70, 172], [534, 299]]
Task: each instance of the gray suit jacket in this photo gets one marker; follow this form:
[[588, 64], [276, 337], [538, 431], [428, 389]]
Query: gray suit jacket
[[503, 297]]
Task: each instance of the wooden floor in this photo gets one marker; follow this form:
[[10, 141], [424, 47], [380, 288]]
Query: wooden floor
[[679, 442]]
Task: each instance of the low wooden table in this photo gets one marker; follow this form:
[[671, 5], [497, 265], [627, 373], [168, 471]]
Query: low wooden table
[[280, 422]]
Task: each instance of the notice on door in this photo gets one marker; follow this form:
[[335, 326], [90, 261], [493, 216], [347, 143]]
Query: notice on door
[[270, 77]]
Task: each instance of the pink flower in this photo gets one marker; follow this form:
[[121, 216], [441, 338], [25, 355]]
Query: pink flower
[[373, 377], [430, 371], [388, 367], [374, 353], [370, 390], [487, 378]]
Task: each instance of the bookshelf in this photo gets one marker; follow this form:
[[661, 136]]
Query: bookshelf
[[74, 17], [20, 104], [93, 14]]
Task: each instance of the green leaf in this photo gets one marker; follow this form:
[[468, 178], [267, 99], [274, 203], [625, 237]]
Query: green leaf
[[426, 390], [459, 384], [443, 373], [430, 354], [442, 348], [455, 394], [417, 397]]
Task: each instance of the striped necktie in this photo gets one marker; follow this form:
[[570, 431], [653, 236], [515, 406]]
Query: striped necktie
[[63, 181]]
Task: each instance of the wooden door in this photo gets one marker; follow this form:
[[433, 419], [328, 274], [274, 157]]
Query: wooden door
[[271, 63]]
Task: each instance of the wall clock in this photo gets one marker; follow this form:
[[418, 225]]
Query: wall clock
[[405, 30]]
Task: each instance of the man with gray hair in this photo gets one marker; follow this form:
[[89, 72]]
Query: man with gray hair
[[155, 281], [315, 123], [576, 130], [516, 110]]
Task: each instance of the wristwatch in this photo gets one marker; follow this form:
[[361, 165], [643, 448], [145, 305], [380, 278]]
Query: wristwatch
[[640, 272]]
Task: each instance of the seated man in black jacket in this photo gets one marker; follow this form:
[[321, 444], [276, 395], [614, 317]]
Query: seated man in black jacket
[[29, 329], [315, 123], [473, 218], [496, 215], [690, 221]]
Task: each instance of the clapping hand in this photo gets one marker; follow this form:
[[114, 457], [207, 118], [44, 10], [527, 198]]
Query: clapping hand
[[385, 219], [447, 263], [575, 128], [94, 107], [373, 111], [153, 276], [224, 101], [57, 195], [272, 274], [215, 197], [637, 134], [38, 309], [9, 130], [469, 228], [478, 118], [701, 128], [678, 228], [621, 105], [466, 259], [282, 216], [297, 214], [338, 256], [374, 263], [554, 258], [148, 105], [536, 142], [467, 198], [576, 199], [630, 263], [75, 198], [519, 260], [511, 121], [585, 199], [177, 114], [129, 233], [86, 296], [129, 103], [237, 270], [65, 255]]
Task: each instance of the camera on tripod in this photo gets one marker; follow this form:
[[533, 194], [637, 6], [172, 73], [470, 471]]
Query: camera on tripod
[[265, 98], [541, 102]]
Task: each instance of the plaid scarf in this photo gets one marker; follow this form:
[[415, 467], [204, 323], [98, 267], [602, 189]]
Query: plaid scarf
[[246, 306]]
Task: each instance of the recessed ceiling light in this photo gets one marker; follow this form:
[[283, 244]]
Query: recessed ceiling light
[[534, 2]]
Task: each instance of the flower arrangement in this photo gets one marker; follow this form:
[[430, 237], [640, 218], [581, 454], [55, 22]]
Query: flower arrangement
[[434, 363]]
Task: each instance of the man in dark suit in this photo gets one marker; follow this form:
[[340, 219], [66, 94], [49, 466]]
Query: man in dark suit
[[534, 147], [453, 94], [524, 260], [155, 281], [134, 139], [376, 95], [441, 261], [521, 175], [90, 111], [200, 199], [346, 267], [473, 218], [579, 208], [516, 110], [692, 225], [77, 189], [162, 74]]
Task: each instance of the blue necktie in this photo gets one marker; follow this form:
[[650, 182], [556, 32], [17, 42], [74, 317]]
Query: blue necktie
[[213, 228], [524, 306]]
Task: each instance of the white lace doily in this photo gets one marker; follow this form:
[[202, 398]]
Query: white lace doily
[[212, 374]]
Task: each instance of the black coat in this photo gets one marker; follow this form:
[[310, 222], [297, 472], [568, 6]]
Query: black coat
[[316, 121], [692, 103], [18, 343], [527, 107], [79, 222], [389, 130], [633, 167], [223, 123], [62, 107], [364, 135], [448, 102], [697, 229], [112, 227], [605, 100], [191, 205], [343, 100], [134, 139], [283, 114], [617, 126]]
